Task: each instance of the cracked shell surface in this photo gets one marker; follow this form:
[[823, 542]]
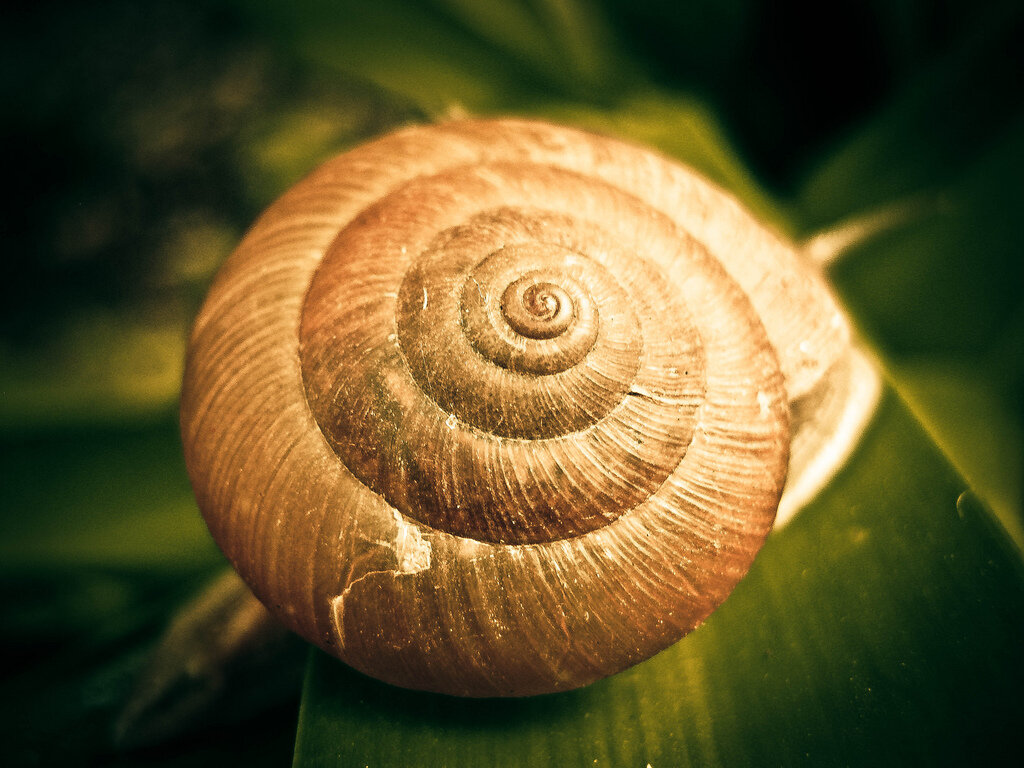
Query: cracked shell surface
[[499, 408]]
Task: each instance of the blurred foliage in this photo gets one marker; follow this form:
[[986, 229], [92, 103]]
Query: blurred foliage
[[141, 141]]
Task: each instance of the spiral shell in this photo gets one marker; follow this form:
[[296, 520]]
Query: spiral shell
[[499, 408]]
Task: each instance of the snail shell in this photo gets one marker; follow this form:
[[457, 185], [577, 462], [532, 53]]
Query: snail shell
[[498, 408]]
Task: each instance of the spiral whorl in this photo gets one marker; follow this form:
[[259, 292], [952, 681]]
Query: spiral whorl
[[537, 309], [486, 407]]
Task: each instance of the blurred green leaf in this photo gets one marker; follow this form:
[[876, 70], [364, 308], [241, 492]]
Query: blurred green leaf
[[939, 290], [110, 497], [931, 129], [970, 417], [450, 55], [100, 368]]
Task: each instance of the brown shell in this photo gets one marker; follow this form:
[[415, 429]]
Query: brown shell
[[498, 408]]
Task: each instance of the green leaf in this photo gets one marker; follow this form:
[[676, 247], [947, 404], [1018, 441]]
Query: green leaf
[[935, 125], [112, 497], [937, 289], [454, 54], [939, 294], [98, 367], [881, 627]]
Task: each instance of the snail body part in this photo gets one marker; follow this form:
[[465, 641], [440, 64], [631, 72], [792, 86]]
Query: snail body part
[[498, 408]]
